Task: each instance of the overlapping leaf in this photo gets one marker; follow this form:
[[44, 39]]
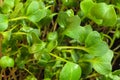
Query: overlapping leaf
[[36, 48], [92, 39], [104, 12], [7, 6], [32, 34], [62, 19], [100, 13], [17, 10], [86, 67], [80, 33], [94, 45], [103, 64]]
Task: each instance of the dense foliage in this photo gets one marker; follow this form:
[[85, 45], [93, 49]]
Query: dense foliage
[[59, 39]]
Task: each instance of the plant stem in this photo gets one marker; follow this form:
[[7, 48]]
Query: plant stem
[[72, 47], [114, 37], [20, 33], [115, 58], [112, 42], [116, 48], [108, 37], [58, 57], [28, 71], [18, 18], [92, 75]]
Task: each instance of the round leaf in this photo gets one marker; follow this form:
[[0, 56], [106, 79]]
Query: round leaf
[[104, 12], [70, 71], [34, 13], [6, 61], [34, 6]]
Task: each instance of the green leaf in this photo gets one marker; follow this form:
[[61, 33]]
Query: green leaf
[[78, 33], [41, 4], [86, 67], [35, 37], [6, 61], [86, 6], [34, 13], [51, 45], [22, 57], [17, 9], [92, 38], [84, 31], [73, 21], [10, 3], [7, 6], [37, 47], [69, 3], [70, 12], [75, 56], [30, 77], [42, 58], [104, 12], [37, 15], [33, 6], [32, 34], [110, 18], [99, 10], [62, 19], [100, 13], [48, 18], [74, 32], [116, 72], [47, 79], [3, 22], [117, 34], [52, 36], [114, 77], [102, 64], [66, 19], [70, 71], [26, 29], [29, 39], [94, 44], [6, 37], [72, 28]]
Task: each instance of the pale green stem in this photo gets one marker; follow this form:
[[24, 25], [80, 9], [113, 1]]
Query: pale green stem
[[114, 37], [28, 71], [92, 75], [22, 33], [57, 57], [18, 18], [113, 40], [72, 47]]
